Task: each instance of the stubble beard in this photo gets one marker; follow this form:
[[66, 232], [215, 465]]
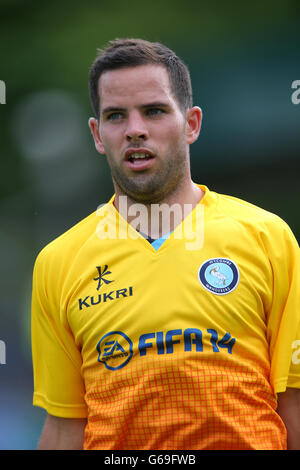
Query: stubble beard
[[152, 188]]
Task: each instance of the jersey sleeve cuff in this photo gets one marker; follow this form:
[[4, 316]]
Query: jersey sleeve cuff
[[292, 381], [58, 409]]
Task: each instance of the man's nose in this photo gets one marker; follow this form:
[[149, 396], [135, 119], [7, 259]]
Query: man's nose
[[136, 127]]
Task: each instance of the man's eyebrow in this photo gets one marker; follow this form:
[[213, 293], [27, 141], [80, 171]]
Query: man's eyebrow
[[156, 104], [111, 109]]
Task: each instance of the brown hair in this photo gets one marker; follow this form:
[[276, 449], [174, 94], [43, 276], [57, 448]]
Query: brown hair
[[121, 53]]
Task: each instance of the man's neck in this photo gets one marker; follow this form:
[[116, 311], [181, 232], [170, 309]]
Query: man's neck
[[158, 219]]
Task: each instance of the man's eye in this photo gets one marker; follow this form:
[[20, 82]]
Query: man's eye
[[114, 116], [154, 112]]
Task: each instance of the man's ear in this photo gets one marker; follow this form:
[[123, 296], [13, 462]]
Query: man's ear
[[94, 127], [193, 124]]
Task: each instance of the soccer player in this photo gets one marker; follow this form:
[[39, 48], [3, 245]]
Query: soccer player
[[169, 317]]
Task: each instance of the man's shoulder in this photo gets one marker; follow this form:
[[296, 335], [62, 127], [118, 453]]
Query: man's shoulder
[[241, 209], [71, 241], [255, 218]]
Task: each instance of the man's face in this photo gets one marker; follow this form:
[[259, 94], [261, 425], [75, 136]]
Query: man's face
[[142, 131]]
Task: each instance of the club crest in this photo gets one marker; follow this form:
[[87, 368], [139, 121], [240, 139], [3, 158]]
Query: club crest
[[219, 275]]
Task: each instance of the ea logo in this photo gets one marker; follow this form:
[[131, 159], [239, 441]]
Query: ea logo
[[219, 275], [115, 350]]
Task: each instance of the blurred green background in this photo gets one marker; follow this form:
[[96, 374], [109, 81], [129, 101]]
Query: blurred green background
[[243, 58]]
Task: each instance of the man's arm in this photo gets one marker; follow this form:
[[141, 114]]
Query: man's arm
[[289, 411], [62, 433]]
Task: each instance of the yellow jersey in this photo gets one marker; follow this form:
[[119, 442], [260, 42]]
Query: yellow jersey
[[180, 347]]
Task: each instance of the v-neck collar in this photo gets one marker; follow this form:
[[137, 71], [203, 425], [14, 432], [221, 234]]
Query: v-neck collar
[[184, 230]]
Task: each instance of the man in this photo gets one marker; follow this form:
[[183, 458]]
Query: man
[[155, 332]]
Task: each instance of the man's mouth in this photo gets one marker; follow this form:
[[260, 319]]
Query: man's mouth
[[140, 159]]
